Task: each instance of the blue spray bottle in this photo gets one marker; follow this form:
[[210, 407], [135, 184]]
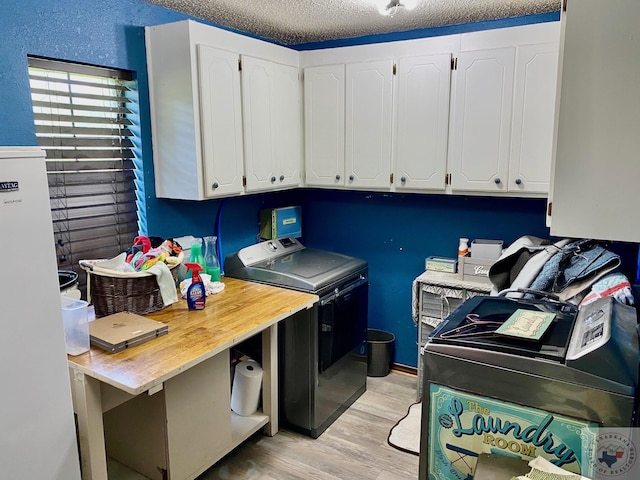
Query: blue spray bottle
[[196, 293]]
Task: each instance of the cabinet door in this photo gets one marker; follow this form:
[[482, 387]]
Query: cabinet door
[[324, 94], [481, 120], [259, 118], [180, 431], [421, 122], [198, 417], [597, 171], [368, 124], [288, 131], [220, 121], [533, 118]]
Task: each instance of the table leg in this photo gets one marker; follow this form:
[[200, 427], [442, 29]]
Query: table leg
[[270, 378], [87, 404]]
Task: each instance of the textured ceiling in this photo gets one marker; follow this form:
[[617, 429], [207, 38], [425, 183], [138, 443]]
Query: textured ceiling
[[292, 22]]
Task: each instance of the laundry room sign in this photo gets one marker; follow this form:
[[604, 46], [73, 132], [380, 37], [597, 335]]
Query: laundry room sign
[[462, 426]]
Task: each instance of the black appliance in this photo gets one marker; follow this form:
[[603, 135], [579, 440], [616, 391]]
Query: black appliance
[[322, 351], [584, 368]]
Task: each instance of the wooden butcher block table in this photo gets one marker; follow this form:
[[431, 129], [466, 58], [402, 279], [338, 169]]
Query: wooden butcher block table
[[163, 407]]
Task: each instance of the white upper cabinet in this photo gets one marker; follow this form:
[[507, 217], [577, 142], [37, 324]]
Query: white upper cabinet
[[324, 92], [385, 117], [368, 120], [221, 122], [417, 126], [348, 122], [258, 87], [211, 124], [289, 132], [597, 171], [195, 114], [421, 122], [272, 124], [481, 120], [502, 111], [533, 118]]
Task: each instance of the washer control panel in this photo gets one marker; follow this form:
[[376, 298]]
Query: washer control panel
[[268, 250], [592, 329]]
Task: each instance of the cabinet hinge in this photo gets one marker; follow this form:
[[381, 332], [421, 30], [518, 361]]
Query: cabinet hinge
[[244, 181], [447, 179], [395, 69], [549, 209], [391, 179], [454, 63], [240, 65], [564, 5]]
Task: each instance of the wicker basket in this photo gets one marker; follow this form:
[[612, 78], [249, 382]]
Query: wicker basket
[[112, 292]]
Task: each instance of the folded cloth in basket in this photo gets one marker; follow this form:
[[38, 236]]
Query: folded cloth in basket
[[117, 263], [166, 282]]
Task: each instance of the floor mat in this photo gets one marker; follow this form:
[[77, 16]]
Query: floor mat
[[405, 435]]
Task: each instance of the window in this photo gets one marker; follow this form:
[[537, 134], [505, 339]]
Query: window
[[86, 121]]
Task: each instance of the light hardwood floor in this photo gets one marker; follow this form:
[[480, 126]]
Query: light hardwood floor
[[353, 447]]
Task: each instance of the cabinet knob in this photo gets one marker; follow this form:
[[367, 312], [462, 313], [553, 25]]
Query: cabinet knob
[[403, 179], [497, 180], [518, 181], [351, 178], [273, 179], [338, 177], [281, 178], [215, 185]]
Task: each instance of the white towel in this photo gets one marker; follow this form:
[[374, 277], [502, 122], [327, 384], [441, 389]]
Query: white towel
[[117, 263], [165, 282]]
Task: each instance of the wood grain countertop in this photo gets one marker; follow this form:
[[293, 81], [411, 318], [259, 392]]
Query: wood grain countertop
[[240, 311]]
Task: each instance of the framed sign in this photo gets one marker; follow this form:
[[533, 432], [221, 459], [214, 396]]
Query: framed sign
[[463, 425]]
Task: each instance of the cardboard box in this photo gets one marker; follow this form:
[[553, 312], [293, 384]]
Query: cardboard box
[[474, 269], [280, 223]]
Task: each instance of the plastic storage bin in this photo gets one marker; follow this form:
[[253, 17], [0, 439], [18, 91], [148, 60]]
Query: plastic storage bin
[[486, 249], [379, 352], [76, 327]]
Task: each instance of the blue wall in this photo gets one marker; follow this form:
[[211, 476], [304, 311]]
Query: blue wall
[[394, 233]]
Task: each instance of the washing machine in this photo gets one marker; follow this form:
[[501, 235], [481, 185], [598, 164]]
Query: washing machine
[[322, 351], [551, 392]]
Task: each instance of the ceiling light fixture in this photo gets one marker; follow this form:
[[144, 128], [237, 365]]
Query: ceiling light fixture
[[390, 7]]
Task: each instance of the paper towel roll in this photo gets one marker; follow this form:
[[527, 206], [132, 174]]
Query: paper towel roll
[[245, 393]]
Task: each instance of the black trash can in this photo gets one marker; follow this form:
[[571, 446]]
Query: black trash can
[[379, 352]]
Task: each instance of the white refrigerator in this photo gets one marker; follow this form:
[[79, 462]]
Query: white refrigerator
[[37, 428]]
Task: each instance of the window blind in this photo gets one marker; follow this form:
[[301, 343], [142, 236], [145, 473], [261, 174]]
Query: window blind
[[86, 121]]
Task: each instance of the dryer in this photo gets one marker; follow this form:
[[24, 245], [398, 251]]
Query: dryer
[[323, 352]]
